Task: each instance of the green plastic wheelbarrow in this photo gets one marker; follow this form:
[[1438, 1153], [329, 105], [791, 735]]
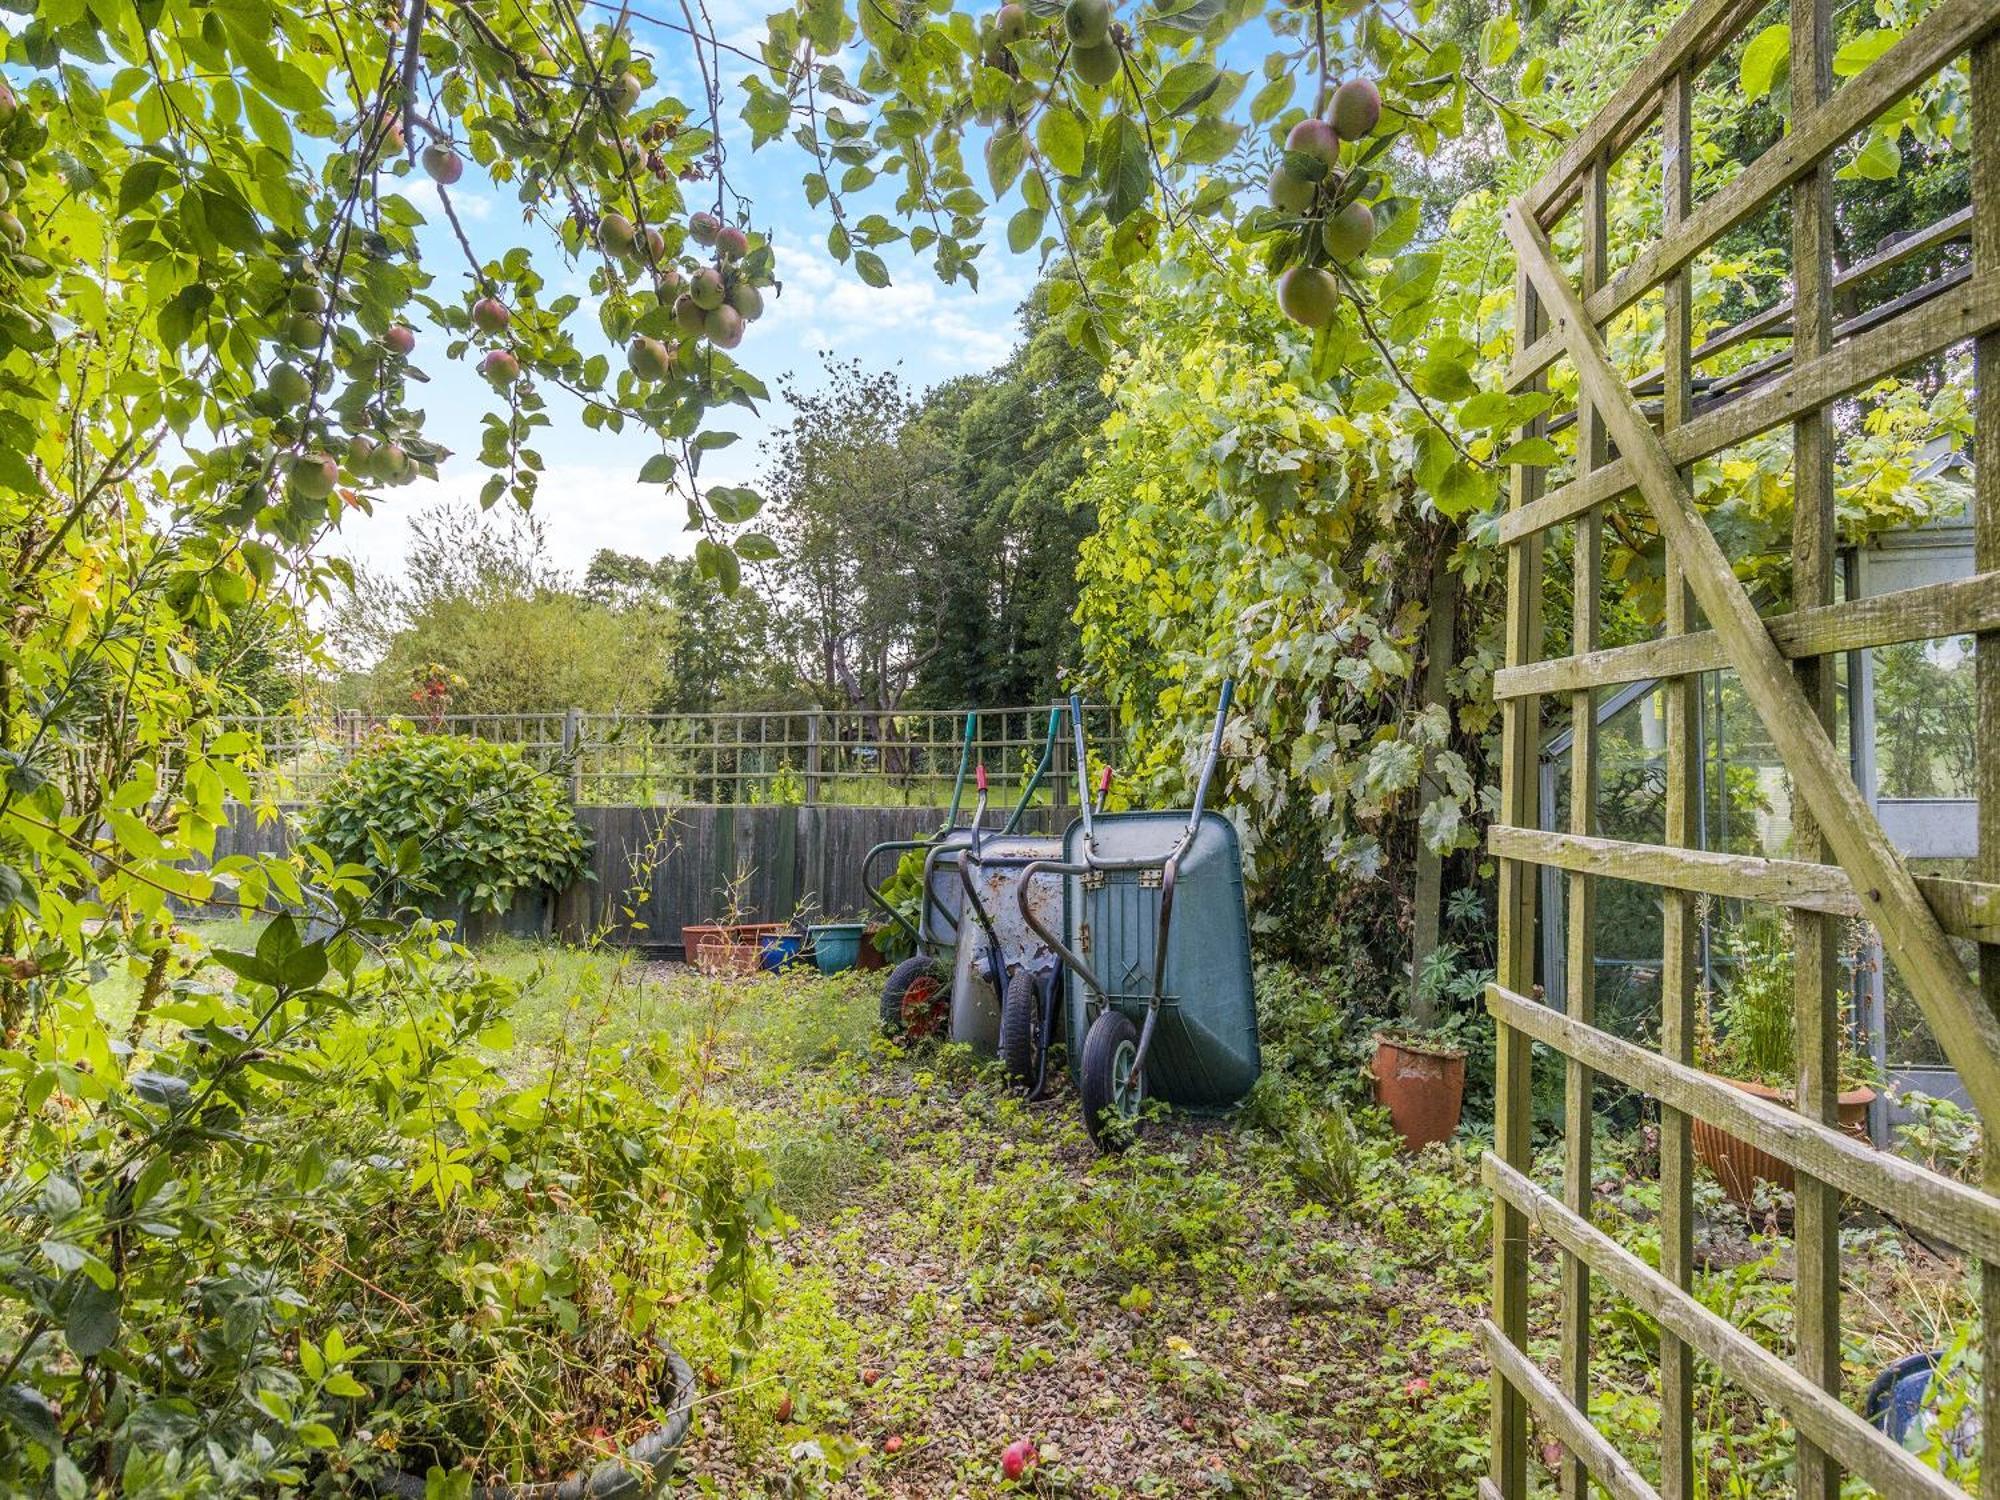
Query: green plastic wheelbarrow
[[1157, 939]]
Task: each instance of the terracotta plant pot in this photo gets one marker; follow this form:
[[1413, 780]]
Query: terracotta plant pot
[[1423, 1088], [871, 956], [733, 950], [1740, 1166]]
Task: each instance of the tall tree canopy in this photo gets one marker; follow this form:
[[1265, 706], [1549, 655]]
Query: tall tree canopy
[[1017, 437], [859, 495]]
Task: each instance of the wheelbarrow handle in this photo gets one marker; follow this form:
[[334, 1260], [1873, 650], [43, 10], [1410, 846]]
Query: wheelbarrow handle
[[1214, 752], [1082, 760]]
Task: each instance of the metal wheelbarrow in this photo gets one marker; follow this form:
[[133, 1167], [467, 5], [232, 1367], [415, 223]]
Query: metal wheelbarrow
[[1006, 980], [1157, 939], [915, 993]]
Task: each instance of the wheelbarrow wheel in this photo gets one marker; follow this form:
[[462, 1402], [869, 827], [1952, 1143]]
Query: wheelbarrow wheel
[[1021, 1039], [1112, 1090], [916, 999]]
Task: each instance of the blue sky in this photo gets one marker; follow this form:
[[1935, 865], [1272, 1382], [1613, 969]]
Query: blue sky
[[589, 496]]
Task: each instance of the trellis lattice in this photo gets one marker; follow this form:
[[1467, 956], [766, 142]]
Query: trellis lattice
[[1845, 866]]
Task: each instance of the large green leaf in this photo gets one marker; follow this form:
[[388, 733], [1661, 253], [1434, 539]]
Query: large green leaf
[[1124, 168]]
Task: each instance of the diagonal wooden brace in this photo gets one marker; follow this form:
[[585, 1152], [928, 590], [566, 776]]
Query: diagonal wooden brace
[[1965, 1028]]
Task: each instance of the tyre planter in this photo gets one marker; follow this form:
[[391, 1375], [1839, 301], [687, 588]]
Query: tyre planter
[[1740, 1166], [641, 1471], [1423, 1088]]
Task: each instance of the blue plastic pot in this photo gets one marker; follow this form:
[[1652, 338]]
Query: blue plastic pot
[[776, 953], [836, 946]]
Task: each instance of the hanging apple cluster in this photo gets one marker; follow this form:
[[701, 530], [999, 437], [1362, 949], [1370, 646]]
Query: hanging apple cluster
[[714, 301], [1092, 40], [564, 128], [1312, 185], [21, 136]]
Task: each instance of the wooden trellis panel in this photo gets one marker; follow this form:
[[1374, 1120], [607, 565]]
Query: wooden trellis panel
[[1846, 866]]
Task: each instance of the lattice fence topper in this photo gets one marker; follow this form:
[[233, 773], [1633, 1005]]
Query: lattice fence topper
[[1846, 867]]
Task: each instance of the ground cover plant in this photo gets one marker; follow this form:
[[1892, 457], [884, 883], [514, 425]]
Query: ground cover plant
[[1279, 1304]]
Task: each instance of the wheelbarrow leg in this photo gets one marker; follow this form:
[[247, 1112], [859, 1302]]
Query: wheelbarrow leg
[[1046, 984], [1146, 1029]]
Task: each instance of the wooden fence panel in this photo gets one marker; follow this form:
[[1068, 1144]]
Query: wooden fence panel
[[655, 870]]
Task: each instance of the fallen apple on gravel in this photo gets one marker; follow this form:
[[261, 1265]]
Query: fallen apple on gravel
[[1018, 1457]]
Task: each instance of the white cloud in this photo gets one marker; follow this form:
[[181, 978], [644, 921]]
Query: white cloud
[[472, 207], [940, 330], [583, 508]]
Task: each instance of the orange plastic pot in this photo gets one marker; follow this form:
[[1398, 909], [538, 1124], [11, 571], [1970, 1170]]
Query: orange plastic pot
[[1740, 1166], [1423, 1088]]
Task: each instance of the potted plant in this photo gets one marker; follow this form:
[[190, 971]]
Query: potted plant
[[731, 949], [1745, 1038], [1420, 1079], [1419, 1069]]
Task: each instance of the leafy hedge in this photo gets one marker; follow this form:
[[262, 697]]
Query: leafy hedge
[[465, 819]]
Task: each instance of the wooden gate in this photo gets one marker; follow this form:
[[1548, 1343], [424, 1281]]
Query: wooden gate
[[1846, 867]]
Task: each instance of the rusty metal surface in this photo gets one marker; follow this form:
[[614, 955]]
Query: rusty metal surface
[[975, 1006]]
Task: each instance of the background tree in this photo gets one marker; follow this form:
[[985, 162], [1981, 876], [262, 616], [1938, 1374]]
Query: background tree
[[860, 503], [723, 651], [1018, 438], [483, 602]]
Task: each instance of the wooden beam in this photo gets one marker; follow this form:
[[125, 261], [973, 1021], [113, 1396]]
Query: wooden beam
[[1746, 1362], [1679, 918], [1964, 908], [1984, 133], [1734, 877], [1588, 1449], [1968, 309], [1956, 1211], [1703, 30], [1580, 917], [1817, 1012], [1774, 321], [1520, 797], [1942, 34], [1928, 612], [1967, 1031]]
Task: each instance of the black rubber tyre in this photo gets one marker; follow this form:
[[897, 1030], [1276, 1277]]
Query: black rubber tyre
[[1111, 1113], [1021, 1029], [915, 998]]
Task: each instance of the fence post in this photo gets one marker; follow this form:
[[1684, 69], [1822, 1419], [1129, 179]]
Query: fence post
[[572, 745], [812, 758]]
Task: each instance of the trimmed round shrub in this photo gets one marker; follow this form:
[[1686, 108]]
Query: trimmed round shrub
[[480, 824]]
